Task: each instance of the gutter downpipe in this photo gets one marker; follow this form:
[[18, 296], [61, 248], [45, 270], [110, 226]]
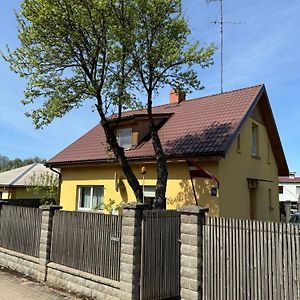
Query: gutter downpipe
[[59, 181]]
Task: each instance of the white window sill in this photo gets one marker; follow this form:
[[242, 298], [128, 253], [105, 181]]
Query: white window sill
[[81, 209]]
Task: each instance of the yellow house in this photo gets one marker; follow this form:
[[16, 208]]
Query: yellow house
[[13, 183], [223, 151]]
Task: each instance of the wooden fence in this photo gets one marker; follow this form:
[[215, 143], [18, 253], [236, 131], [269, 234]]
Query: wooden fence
[[160, 275], [89, 242], [245, 259], [20, 229]]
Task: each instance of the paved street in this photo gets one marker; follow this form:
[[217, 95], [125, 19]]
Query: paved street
[[13, 287]]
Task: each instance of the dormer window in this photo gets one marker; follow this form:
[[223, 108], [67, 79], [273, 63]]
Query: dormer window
[[124, 137]]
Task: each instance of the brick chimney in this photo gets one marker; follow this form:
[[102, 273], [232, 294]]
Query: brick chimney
[[176, 97]]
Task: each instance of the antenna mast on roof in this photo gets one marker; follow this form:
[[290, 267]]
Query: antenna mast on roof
[[222, 42], [221, 22]]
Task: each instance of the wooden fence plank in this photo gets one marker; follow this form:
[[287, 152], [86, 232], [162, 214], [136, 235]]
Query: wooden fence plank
[[273, 261], [251, 260], [297, 263], [89, 242], [293, 257], [20, 229], [223, 259], [161, 255]]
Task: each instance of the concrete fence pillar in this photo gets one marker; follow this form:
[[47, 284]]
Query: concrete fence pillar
[[130, 269], [45, 239], [192, 221]]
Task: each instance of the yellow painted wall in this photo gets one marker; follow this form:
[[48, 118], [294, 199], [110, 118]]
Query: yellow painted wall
[[180, 192], [17, 193], [238, 166], [179, 187], [22, 193], [232, 171]]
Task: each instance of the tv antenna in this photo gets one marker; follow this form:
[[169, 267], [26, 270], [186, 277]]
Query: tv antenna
[[222, 22]]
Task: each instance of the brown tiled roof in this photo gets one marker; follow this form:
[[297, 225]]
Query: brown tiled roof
[[289, 180], [203, 126]]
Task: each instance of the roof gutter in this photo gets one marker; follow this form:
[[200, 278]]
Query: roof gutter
[[217, 155]]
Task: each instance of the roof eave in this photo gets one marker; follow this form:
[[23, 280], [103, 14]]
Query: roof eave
[[218, 155], [283, 169], [244, 120]]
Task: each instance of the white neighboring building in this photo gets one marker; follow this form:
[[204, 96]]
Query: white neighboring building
[[289, 191], [13, 183]]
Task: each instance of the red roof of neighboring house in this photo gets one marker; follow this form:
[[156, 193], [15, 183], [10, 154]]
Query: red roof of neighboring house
[[289, 180], [202, 126]]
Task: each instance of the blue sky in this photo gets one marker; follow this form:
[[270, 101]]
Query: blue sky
[[264, 48]]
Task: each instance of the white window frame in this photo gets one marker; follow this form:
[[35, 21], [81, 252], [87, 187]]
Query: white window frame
[[119, 133], [149, 191], [79, 189], [280, 188], [297, 191]]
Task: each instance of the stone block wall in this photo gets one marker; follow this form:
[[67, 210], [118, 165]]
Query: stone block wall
[[19, 262], [192, 221], [86, 284], [77, 281], [130, 268]]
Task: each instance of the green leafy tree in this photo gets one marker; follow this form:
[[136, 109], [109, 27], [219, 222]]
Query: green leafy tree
[[7, 164], [107, 51], [110, 207], [45, 186], [164, 56], [4, 160]]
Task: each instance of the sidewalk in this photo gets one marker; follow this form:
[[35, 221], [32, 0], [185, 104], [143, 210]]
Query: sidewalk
[[14, 287]]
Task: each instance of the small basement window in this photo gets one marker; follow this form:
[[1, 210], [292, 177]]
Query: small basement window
[[124, 137], [90, 197]]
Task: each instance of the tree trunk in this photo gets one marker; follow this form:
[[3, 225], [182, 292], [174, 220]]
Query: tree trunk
[[161, 162], [120, 155], [162, 171]]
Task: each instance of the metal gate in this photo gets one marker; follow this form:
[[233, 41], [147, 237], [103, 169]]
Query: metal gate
[[160, 273]]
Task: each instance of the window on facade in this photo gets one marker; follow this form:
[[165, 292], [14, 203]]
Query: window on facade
[[149, 194], [270, 199], [238, 143], [298, 191], [254, 140], [124, 137], [280, 188], [90, 197], [268, 149]]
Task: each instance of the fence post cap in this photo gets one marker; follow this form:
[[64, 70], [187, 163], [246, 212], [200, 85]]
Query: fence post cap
[[50, 207], [193, 210], [135, 205], [4, 202]]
